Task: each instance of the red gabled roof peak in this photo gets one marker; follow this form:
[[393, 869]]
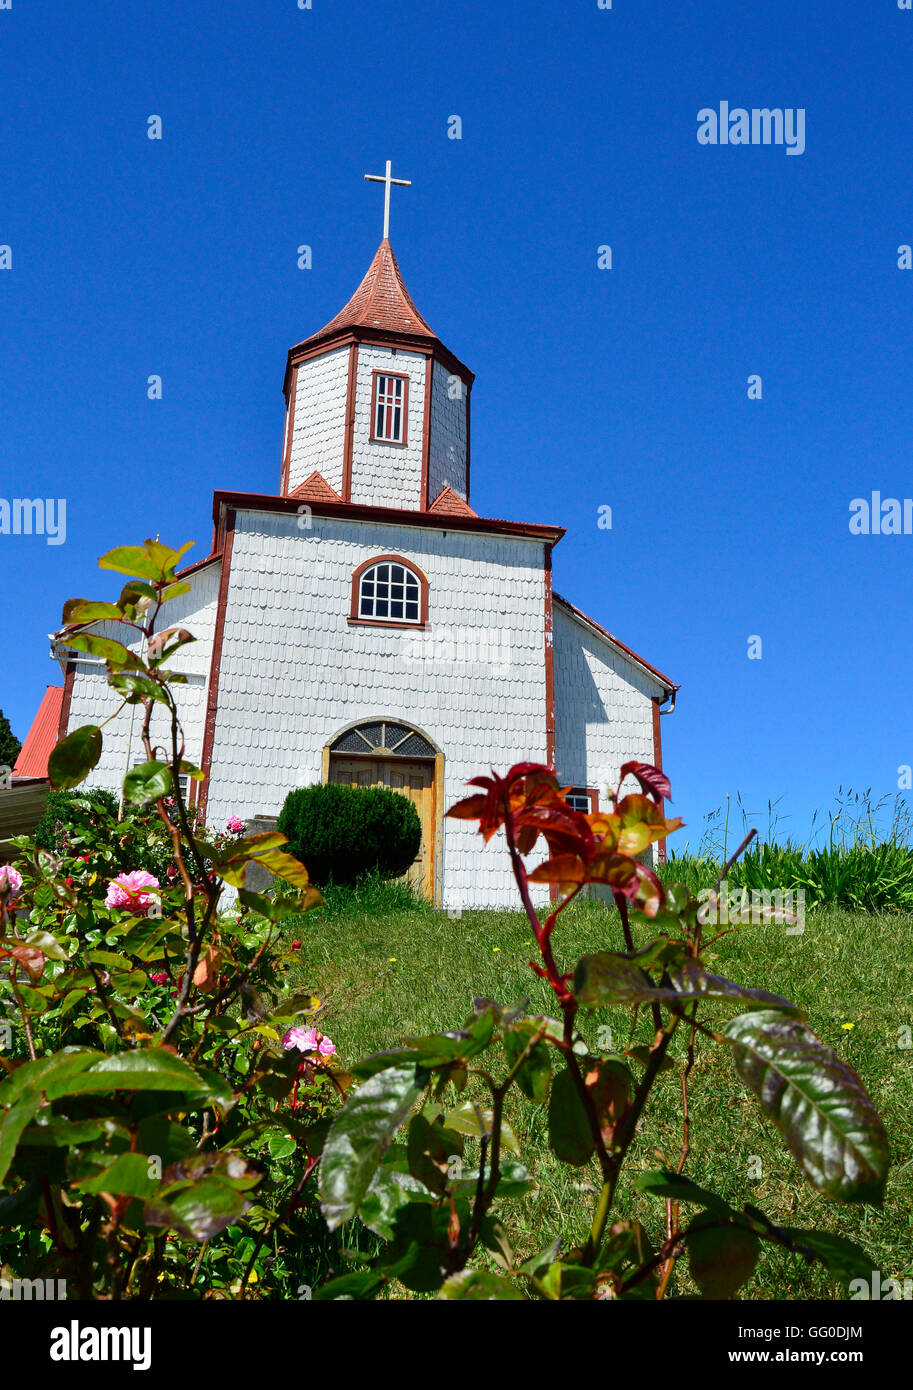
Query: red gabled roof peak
[[316, 489], [451, 504], [381, 302]]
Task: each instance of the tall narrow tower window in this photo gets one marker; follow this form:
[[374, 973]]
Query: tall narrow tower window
[[389, 408]]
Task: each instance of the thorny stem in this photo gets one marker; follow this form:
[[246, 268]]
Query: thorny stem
[[621, 903], [269, 1230], [624, 1134], [26, 1022]]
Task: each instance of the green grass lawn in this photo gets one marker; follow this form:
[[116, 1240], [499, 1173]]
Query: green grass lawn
[[386, 968]]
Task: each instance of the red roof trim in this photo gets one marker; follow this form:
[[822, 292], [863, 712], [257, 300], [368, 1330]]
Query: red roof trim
[[198, 565], [268, 502], [422, 347], [616, 642], [41, 737]]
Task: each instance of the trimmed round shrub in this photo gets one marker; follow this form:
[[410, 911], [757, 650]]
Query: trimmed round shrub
[[64, 811], [341, 833]]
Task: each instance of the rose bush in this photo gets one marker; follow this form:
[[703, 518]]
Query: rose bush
[[156, 1137], [167, 1108]]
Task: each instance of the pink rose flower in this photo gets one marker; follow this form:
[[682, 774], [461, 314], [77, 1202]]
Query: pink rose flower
[[160, 978], [131, 891], [304, 1039], [235, 824], [308, 1040], [10, 880]]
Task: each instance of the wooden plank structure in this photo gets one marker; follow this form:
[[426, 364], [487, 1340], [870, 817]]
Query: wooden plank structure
[[21, 808]]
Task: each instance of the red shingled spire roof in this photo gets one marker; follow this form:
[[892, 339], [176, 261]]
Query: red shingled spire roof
[[381, 302]]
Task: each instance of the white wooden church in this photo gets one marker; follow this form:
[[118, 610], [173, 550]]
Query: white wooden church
[[363, 624]]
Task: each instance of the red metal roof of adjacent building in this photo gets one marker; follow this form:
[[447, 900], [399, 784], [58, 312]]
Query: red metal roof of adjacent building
[[380, 302], [41, 737]]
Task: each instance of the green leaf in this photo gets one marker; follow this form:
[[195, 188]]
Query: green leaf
[[104, 647], [817, 1102], [693, 981], [514, 1181], [278, 909], [34, 1076], [287, 867], [149, 782], [666, 1185], [721, 1258], [281, 1146], [535, 1073], [127, 1175], [200, 1211], [608, 977], [360, 1286], [465, 1119], [381, 1202], [430, 1148], [137, 561], [569, 1132], [381, 1061], [66, 1134], [842, 1258], [12, 1122], [136, 686], [175, 591], [359, 1136], [133, 593], [74, 757], [479, 1284], [80, 610], [48, 944], [146, 1069], [437, 1049]]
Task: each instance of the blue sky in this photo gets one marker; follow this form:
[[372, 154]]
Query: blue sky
[[626, 388]]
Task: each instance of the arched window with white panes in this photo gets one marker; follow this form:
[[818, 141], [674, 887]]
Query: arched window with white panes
[[389, 591]]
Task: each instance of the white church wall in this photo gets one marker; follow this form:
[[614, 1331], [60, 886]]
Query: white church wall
[[387, 475], [294, 672], [319, 426], [93, 700], [447, 440], [603, 707]]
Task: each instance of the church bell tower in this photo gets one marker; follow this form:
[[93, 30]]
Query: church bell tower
[[377, 409]]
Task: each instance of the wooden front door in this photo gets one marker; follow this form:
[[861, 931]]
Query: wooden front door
[[412, 779]]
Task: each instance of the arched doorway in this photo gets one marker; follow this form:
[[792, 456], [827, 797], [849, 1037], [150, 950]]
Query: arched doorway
[[388, 753]]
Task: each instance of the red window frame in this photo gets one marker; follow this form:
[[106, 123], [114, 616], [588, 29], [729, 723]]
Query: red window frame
[[382, 399], [355, 610]]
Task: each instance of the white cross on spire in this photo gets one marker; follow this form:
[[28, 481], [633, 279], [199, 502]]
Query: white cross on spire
[[388, 180]]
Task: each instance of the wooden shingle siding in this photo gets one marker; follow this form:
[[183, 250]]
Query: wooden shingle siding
[[604, 709], [294, 673], [387, 475], [93, 699], [447, 452], [319, 423]]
